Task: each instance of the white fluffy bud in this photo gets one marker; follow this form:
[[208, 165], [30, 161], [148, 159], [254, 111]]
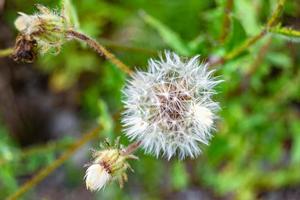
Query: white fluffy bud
[[96, 177]]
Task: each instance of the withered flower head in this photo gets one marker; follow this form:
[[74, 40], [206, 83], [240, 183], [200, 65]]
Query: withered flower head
[[47, 29]]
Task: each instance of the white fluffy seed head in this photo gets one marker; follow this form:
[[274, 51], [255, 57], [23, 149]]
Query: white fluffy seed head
[[96, 177], [169, 108]]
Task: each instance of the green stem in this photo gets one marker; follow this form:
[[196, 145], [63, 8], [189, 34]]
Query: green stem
[[43, 173], [6, 52], [240, 49], [273, 21], [285, 31]]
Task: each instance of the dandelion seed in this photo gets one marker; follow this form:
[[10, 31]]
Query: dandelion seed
[[169, 108]]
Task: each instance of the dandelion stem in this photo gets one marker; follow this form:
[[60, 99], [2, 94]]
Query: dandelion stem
[[273, 21], [99, 49], [43, 173], [132, 147], [6, 52]]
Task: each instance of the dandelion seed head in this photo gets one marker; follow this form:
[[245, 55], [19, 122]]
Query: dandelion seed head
[[169, 108]]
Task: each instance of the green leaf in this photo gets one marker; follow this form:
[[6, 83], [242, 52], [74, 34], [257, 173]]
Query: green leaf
[[169, 36], [8, 181], [105, 119], [279, 59], [247, 14], [237, 35], [198, 44], [296, 143]]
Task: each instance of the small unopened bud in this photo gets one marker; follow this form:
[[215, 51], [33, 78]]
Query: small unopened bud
[[109, 164]]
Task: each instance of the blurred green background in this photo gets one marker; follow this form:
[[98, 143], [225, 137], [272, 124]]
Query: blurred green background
[[255, 153]]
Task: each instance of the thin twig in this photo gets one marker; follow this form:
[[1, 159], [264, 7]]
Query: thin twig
[[273, 20], [6, 52], [122, 47], [38, 149], [245, 45], [259, 59], [238, 50], [58, 162], [100, 50], [226, 21]]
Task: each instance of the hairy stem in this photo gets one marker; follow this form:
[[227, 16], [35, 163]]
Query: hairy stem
[[99, 49], [289, 32], [226, 21], [132, 147], [6, 52], [273, 20], [43, 173], [117, 46]]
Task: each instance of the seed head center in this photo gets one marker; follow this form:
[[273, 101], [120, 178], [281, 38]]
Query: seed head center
[[172, 102]]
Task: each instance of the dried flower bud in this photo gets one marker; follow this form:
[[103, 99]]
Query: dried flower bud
[[25, 49], [169, 109], [109, 164], [46, 27]]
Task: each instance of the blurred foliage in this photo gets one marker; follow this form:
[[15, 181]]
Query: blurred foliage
[[257, 141]]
